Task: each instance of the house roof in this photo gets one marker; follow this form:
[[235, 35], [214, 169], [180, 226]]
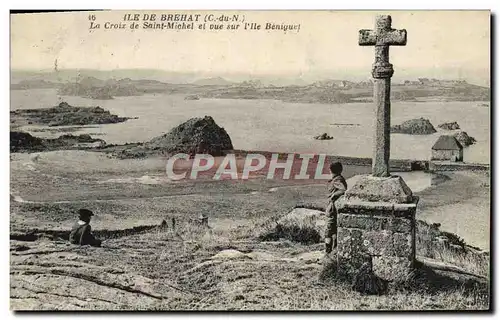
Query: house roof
[[447, 143]]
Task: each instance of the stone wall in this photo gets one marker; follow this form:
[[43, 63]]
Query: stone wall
[[447, 155], [436, 166], [383, 231]]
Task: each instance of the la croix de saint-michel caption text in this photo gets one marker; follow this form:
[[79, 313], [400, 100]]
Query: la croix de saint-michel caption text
[[178, 21]]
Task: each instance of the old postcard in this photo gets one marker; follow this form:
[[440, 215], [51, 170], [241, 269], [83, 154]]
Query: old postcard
[[250, 160]]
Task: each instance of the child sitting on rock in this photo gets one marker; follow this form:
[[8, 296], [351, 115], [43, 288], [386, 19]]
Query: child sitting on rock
[[81, 233]]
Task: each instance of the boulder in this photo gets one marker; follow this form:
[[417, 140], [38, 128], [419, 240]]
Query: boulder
[[192, 97], [197, 135], [300, 225], [23, 141], [414, 126], [63, 104], [464, 139], [323, 136], [230, 254], [305, 218], [449, 126], [99, 110]]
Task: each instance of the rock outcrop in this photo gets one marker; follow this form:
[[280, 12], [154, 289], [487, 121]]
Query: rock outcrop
[[449, 126], [65, 115], [25, 142], [323, 136], [464, 139], [414, 126], [197, 135]]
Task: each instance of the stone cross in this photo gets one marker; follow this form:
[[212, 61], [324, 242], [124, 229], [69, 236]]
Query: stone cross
[[382, 38]]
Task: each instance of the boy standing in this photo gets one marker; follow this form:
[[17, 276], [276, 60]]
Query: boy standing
[[336, 188]]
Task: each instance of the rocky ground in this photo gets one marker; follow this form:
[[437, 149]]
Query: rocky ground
[[194, 267], [243, 261], [414, 126], [449, 126], [424, 126], [25, 142], [63, 115]]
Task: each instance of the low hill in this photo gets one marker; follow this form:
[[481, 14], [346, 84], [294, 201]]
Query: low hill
[[340, 91], [69, 75], [33, 84], [217, 81], [89, 84]]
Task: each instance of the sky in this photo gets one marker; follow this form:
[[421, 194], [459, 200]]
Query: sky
[[441, 44]]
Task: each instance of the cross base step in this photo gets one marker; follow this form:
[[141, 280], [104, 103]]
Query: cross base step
[[391, 189]]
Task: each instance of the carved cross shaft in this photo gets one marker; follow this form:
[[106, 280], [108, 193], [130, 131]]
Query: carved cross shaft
[[382, 37]]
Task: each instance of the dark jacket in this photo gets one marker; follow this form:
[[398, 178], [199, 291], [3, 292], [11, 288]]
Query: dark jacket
[[81, 234], [336, 187]]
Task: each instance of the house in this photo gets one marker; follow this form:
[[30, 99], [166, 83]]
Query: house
[[447, 148]]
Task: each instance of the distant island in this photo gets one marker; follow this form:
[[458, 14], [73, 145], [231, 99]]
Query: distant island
[[94, 88], [33, 84], [63, 115], [342, 91], [324, 91], [218, 81]]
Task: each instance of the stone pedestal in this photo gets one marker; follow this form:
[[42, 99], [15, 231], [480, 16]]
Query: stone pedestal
[[376, 220]]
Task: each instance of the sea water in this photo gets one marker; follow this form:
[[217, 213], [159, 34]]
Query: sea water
[[273, 125]]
